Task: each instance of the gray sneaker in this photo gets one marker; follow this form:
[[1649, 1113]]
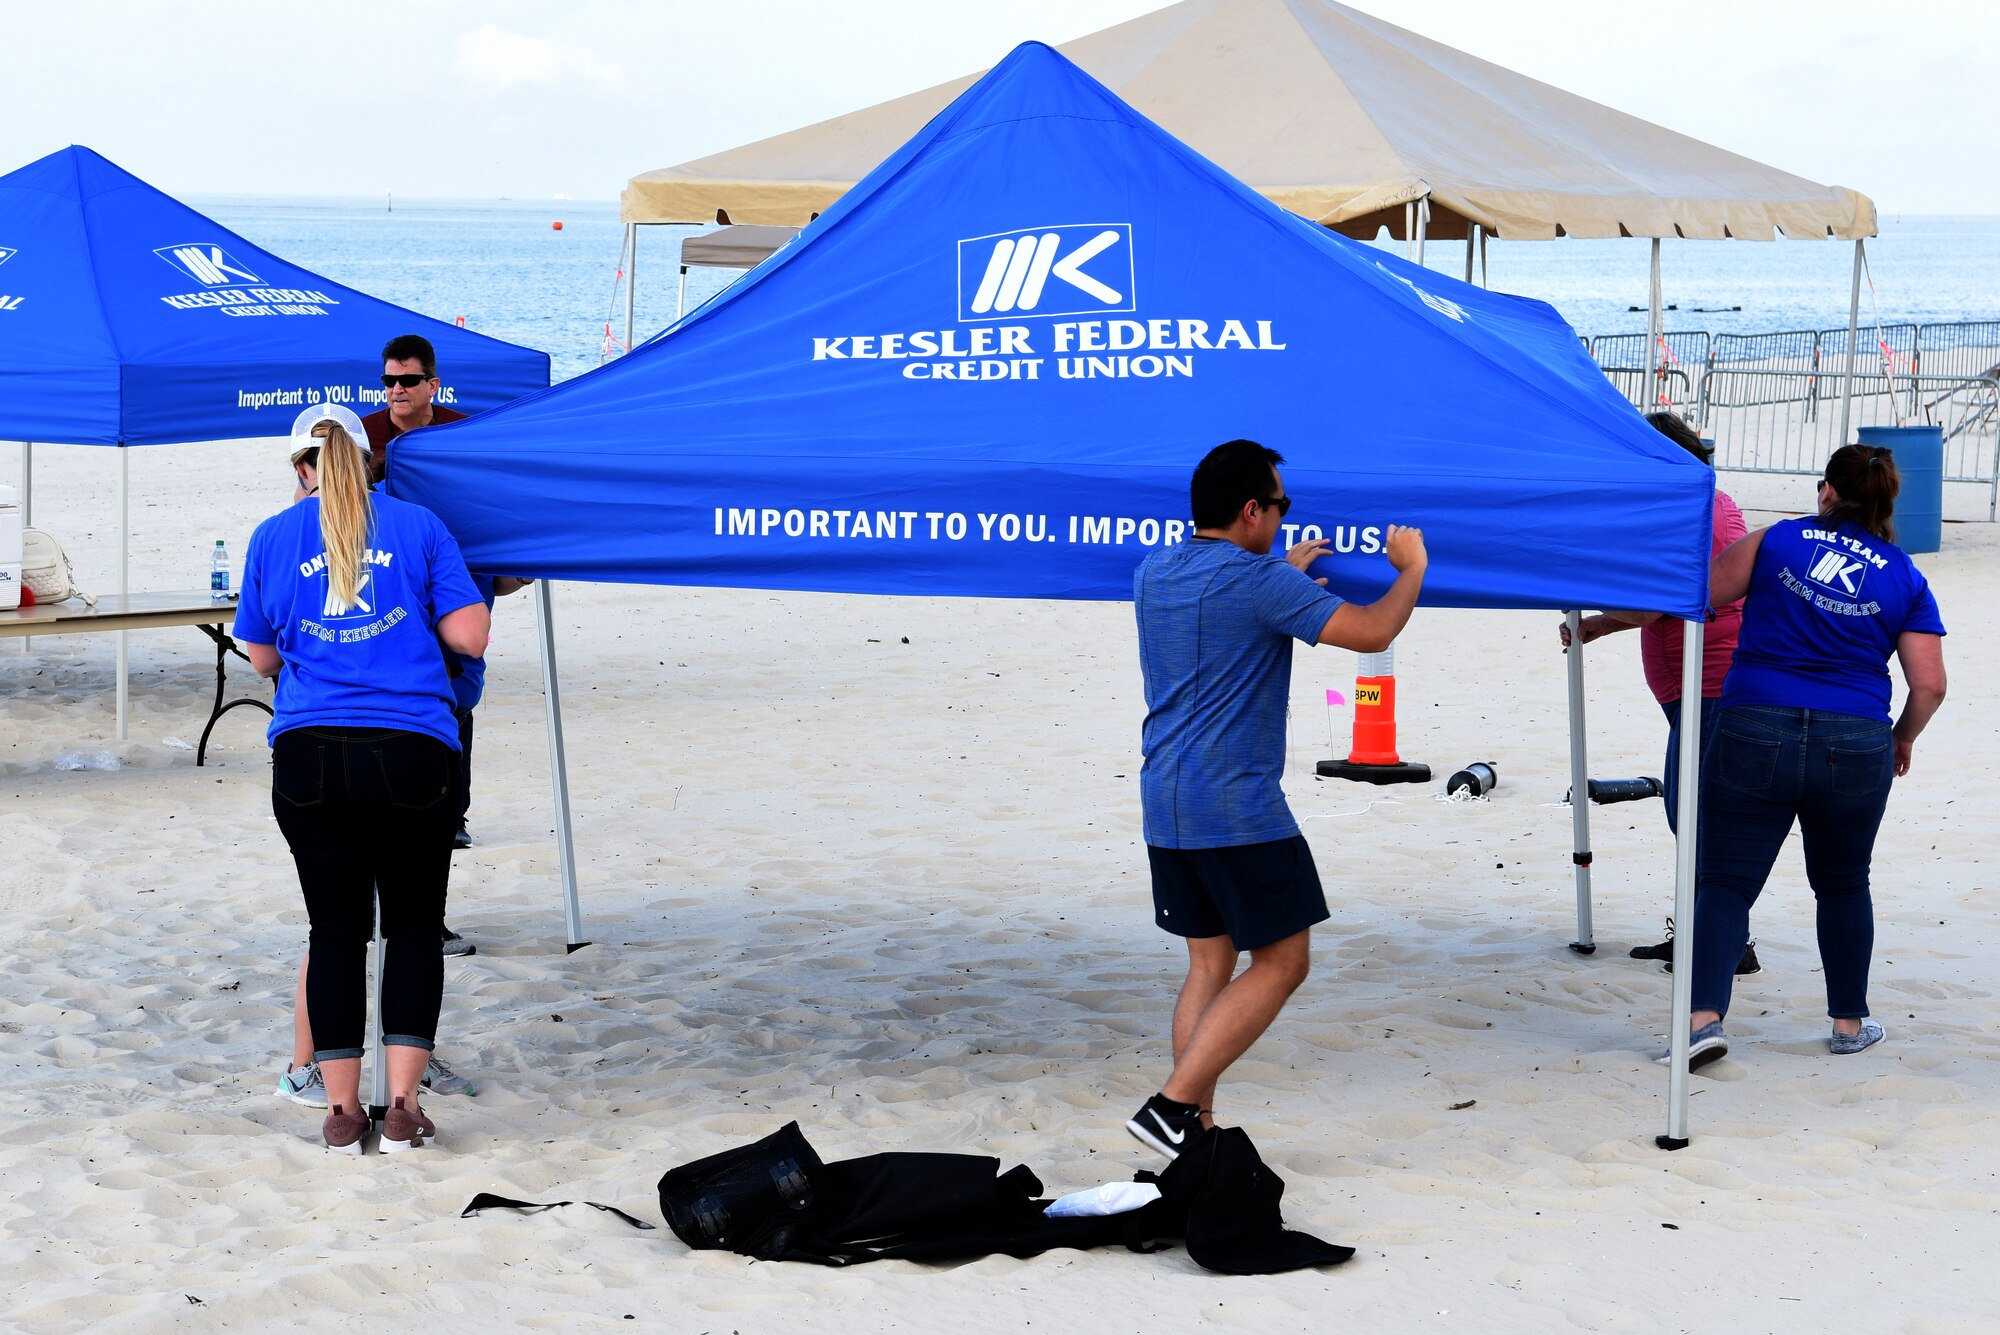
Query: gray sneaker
[[302, 1084], [454, 944], [441, 1079], [1846, 1045]]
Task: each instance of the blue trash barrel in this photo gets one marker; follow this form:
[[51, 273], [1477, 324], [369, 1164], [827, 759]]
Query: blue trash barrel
[[1919, 454]]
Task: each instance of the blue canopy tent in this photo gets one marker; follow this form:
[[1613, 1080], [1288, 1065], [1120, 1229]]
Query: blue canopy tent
[[127, 318], [989, 368]]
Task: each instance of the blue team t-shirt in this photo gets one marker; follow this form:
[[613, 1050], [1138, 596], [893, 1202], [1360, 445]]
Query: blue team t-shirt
[[1216, 625], [377, 665], [1825, 609]]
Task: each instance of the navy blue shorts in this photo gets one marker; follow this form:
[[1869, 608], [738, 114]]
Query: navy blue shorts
[[1254, 894]]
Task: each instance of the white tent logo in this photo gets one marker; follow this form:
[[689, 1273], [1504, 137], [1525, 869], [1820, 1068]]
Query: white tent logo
[[1069, 269], [5, 254], [1836, 571], [207, 264]]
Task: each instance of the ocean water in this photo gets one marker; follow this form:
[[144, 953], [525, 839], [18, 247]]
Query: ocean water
[[503, 267]]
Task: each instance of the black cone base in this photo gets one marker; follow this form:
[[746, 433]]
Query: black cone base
[[1361, 773]]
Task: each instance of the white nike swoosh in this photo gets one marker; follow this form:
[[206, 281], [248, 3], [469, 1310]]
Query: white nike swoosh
[[1173, 1137]]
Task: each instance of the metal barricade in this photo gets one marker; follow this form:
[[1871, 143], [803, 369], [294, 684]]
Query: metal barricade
[[1682, 361], [1769, 421], [1970, 348]]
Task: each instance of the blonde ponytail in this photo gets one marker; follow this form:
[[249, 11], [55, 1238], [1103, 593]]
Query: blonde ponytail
[[344, 518]]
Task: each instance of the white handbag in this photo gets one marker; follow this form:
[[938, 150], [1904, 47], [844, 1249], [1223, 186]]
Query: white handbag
[[46, 571]]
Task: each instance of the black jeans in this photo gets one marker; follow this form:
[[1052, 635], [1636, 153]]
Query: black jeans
[[369, 813]]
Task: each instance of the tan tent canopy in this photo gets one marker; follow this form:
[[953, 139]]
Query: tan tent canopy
[[1336, 116], [744, 246]]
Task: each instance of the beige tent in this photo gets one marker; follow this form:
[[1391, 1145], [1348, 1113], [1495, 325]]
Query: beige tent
[[1338, 117]]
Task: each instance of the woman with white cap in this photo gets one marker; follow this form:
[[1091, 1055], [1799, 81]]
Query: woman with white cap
[[346, 597]]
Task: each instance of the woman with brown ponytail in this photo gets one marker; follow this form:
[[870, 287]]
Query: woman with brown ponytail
[[346, 596], [1805, 735]]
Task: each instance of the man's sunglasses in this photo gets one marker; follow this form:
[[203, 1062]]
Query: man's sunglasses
[[406, 381], [1282, 504]]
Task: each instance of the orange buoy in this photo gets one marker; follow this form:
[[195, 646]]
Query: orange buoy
[[558, 225]]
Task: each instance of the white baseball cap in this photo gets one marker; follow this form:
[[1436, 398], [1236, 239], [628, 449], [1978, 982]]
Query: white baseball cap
[[303, 424]]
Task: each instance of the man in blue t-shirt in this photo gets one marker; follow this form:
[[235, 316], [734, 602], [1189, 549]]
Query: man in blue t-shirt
[[1217, 616]]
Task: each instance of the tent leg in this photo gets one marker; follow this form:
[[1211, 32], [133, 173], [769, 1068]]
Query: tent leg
[[1655, 326], [1423, 226], [1471, 246], [1853, 330], [1685, 818], [559, 769], [681, 301], [1485, 277], [1579, 790], [631, 279], [378, 1057], [27, 499], [124, 572]]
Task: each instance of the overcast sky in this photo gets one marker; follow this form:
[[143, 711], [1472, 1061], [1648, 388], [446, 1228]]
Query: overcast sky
[[531, 100]]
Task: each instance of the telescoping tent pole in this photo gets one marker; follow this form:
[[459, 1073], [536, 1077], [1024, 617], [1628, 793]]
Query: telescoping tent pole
[[1685, 819], [559, 768], [1853, 331], [124, 572], [1579, 790], [27, 484]]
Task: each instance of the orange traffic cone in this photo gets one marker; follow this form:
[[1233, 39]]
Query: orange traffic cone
[[1374, 758]]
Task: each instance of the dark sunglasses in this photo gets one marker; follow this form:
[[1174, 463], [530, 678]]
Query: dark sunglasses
[[406, 381], [1282, 504]]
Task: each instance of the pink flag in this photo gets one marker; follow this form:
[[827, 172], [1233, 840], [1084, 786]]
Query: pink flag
[[1335, 698]]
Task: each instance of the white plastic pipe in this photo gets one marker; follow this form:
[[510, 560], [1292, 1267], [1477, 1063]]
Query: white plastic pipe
[[631, 279], [1655, 327]]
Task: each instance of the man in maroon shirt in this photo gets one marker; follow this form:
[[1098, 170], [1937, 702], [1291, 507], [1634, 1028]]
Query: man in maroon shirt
[[409, 375]]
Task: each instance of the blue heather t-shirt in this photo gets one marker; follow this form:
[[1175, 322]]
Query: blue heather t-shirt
[[1216, 625], [377, 665], [1825, 609]]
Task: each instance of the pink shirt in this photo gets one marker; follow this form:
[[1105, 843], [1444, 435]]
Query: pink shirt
[[1660, 641]]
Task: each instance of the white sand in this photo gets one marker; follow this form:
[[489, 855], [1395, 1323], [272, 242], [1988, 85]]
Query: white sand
[[896, 891]]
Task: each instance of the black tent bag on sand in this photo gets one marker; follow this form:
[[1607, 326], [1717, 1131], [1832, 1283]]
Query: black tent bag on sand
[[775, 1200], [747, 1199]]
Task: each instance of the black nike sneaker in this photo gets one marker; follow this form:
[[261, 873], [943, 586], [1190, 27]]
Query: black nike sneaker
[[1165, 1125]]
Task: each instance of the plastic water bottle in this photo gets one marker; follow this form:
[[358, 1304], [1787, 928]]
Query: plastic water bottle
[[218, 574]]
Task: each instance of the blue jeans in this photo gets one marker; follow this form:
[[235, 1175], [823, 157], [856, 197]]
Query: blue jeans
[[1768, 767], [1710, 717]]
